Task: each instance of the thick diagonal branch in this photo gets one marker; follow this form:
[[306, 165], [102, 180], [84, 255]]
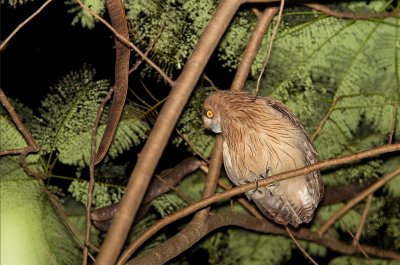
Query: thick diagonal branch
[[165, 123]]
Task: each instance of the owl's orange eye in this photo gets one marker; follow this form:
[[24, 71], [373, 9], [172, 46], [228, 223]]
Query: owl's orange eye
[[209, 114]]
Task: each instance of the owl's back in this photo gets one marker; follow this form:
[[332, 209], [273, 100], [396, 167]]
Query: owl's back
[[261, 134]]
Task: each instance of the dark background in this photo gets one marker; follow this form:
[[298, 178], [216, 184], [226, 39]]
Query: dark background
[[47, 48]]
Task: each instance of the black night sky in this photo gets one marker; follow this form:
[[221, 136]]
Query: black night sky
[[47, 48]]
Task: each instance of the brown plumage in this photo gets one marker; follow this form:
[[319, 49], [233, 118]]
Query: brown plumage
[[262, 137]]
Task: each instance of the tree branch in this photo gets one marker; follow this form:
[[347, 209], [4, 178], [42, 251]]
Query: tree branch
[[262, 183], [5, 42], [241, 75], [165, 123], [349, 15], [359, 198], [164, 252], [126, 41]]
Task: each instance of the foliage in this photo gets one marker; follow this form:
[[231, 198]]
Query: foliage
[[103, 194], [83, 17], [28, 219], [323, 64], [63, 131], [190, 125], [347, 260], [67, 117], [15, 3], [343, 72]]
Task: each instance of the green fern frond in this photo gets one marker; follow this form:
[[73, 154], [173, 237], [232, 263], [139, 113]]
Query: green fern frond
[[70, 109], [16, 3], [68, 115], [167, 204], [31, 221], [11, 138], [349, 260], [103, 194], [314, 249], [245, 247], [82, 16], [393, 187], [190, 125]]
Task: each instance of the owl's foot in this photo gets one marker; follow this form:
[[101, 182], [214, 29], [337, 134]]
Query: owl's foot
[[256, 179]]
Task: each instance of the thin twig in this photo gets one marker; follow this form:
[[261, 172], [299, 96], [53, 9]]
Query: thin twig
[[91, 175], [148, 92], [4, 43], [357, 199], [357, 243], [71, 227], [18, 122], [209, 81], [362, 221], [129, 44], [252, 48], [214, 170], [184, 137], [349, 15], [300, 247], [325, 118], [32, 146], [151, 46], [278, 22]]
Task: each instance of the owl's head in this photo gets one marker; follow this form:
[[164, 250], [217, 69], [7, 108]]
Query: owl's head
[[211, 113]]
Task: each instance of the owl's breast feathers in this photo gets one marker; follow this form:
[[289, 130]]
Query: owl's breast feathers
[[263, 135]]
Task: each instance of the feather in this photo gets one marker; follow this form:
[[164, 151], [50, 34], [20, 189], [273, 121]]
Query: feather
[[261, 135]]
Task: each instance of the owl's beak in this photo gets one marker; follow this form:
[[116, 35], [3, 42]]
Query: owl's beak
[[206, 123], [212, 124]]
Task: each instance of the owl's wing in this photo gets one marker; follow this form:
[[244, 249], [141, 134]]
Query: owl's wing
[[313, 179]]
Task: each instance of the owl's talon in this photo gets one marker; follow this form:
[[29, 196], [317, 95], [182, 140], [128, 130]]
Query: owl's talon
[[251, 192], [251, 180]]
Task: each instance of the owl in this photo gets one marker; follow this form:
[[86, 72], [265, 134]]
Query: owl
[[262, 137]]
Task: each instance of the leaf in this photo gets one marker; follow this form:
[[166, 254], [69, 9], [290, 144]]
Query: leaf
[[69, 113], [32, 232], [348, 260], [82, 16], [245, 247]]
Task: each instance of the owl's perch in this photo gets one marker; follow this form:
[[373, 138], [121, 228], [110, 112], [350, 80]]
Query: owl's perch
[[164, 125], [192, 234], [245, 188]]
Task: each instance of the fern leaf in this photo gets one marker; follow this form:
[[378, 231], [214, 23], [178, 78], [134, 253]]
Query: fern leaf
[[82, 16], [103, 194], [68, 115], [190, 125], [31, 229]]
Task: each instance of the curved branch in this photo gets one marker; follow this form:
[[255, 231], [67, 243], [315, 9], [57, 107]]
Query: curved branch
[[357, 199], [349, 15], [262, 183], [4, 43], [193, 233], [122, 53]]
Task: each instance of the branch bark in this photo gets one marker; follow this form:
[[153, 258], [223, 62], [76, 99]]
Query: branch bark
[[262, 183], [359, 198], [212, 175], [197, 231], [151, 153]]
